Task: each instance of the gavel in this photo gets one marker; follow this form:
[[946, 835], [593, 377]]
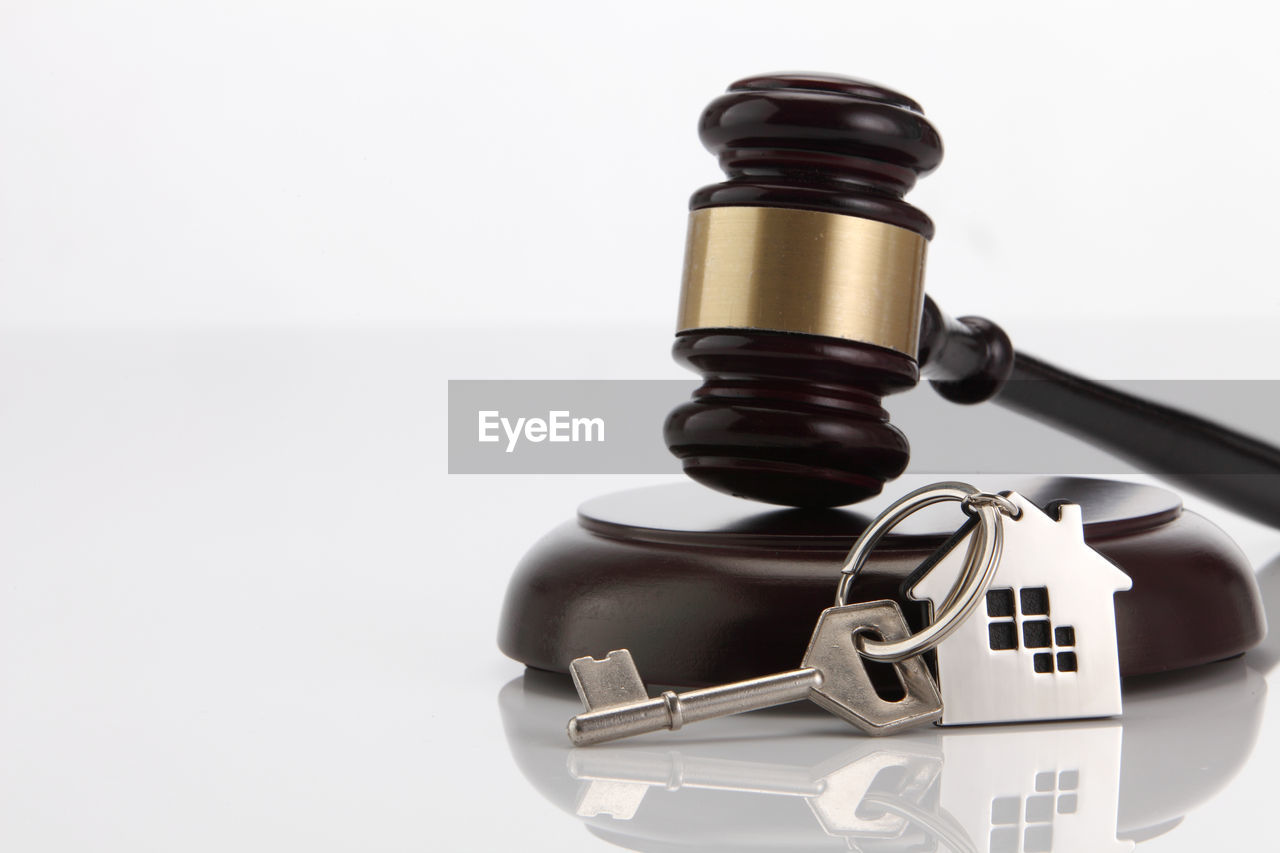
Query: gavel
[[803, 305]]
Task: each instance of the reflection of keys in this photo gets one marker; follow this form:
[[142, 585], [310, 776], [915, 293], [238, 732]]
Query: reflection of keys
[[832, 674], [619, 778], [867, 798], [878, 795], [1028, 788]]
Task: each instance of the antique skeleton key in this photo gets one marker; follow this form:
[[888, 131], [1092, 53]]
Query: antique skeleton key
[[832, 674]]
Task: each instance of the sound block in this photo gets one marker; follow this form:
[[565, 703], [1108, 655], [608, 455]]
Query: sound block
[[704, 588]]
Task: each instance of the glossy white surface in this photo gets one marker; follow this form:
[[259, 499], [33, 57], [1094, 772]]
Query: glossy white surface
[[243, 605]]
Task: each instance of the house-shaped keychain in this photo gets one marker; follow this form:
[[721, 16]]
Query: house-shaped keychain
[[1042, 646]]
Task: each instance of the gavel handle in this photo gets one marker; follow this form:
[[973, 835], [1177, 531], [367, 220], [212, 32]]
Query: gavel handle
[[970, 360]]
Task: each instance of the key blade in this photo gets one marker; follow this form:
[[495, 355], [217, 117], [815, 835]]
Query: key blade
[[608, 683]]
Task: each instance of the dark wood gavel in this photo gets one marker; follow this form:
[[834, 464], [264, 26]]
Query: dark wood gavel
[[803, 305]]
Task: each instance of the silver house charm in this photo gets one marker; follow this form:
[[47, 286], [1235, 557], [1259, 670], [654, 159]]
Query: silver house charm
[[1042, 645]]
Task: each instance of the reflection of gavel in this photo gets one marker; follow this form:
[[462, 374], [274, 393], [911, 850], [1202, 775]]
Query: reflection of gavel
[[803, 304]]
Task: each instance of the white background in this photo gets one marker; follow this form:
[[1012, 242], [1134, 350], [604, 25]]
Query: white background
[[243, 245], [429, 163]]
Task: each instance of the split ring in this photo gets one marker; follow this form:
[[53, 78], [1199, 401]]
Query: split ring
[[980, 562]]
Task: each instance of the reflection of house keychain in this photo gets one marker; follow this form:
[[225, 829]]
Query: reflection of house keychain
[[1043, 647]]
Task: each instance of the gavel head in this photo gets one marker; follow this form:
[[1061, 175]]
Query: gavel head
[[803, 289]]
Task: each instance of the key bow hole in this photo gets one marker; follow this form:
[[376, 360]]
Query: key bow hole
[[884, 677]]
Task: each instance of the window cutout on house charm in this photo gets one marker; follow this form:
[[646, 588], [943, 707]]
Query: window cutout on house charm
[[1000, 602], [1035, 601], [1003, 636], [1036, 634]]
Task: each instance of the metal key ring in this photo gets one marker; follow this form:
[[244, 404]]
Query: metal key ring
[[980, 562]]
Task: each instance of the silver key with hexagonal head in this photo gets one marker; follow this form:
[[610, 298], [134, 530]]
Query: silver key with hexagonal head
[[833, 674]]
